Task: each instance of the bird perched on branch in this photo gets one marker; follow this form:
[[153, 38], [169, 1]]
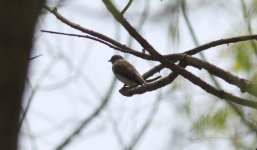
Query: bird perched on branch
[[126, 72]]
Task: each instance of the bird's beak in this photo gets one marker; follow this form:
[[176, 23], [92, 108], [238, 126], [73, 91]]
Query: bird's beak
[[109, 60]]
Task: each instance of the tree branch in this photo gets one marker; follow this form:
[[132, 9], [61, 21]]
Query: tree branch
[[111, 45], [177, 69], [220, 42], [126, 7], [98, 36], [165, 60]]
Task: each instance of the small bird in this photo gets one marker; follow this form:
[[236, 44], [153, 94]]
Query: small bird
[[125, 72]]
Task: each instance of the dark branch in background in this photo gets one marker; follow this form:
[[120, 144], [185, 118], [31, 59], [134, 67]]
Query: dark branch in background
[[146, 124], [89, 119], [126, 7], [193, 35], [247, 20], [96, 111], [190, 28], [188, 75], [34, 90]]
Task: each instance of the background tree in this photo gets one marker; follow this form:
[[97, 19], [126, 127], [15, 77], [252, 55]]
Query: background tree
[[18, 21]]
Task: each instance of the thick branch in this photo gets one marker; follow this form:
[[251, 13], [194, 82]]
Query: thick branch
[[117, 15], [243, 84]]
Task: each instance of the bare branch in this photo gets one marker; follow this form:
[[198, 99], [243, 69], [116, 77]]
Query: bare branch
[[126, 7], [156, 56], [35, 57], [177, 69], [197, 81], [220, 42], [118, 46], [130, 51]]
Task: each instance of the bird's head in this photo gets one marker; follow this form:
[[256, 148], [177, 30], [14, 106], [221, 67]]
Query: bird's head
[[115, 58]]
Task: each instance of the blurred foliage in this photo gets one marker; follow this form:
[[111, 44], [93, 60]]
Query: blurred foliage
[[187, 107], [243, 57], [239, 143], [174, 31], [216, 121], [254, 80]]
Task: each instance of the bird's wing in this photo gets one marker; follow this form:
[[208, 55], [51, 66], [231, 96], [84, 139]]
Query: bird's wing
[[125, 69]]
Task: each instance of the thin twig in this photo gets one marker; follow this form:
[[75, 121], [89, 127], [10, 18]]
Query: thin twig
[[33, 92], [147, 123], [35, 57], [126, 7], [130, 51], [91, 32], [247, 20], [88, 119], [193, 35], [220, 42]]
